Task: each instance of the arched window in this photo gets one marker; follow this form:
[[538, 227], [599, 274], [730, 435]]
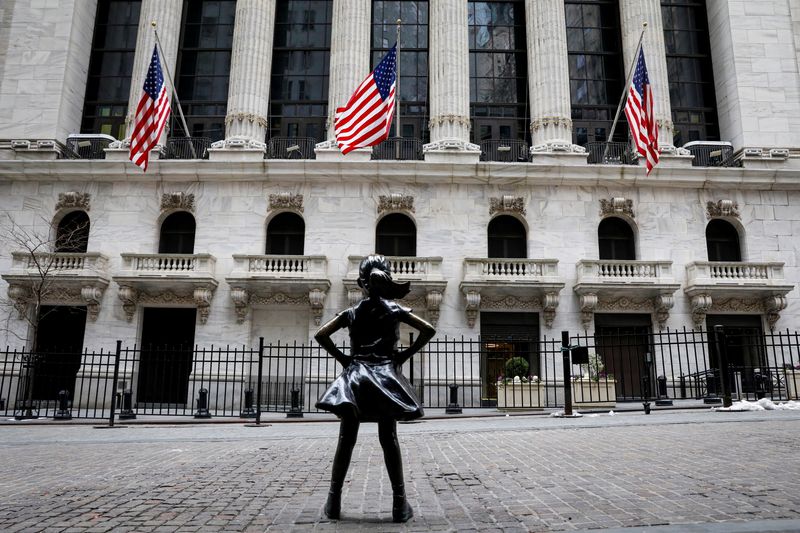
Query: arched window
[[72, 234], [507, 238], [177, 234], [722, 241], [396, 235], [616, 241], [286, 235]]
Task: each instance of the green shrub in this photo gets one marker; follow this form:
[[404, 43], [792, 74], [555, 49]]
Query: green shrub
[[517, 366]]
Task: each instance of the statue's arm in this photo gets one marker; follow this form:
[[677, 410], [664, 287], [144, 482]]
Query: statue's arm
[[323, 337], [426, 333]]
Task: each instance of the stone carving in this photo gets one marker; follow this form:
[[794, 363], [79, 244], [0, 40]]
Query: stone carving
[[246, 117], [510, 302], [72, 199], [617, 206], [316, 299], [701, 303], [92, 296], [588, 303], [278, 298], [395, 202], [240, 299], [449, 119], [129, 298], [722, 208], [543, 122], [177, 200], [354, 296], [433, 300], [773, 305], [20, 295], [473, 306], [549, 308], [286, 200], [202, 297], [507, 204], [663, 303]]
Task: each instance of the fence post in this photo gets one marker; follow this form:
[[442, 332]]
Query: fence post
[[114, 384], [722, 357], [567, 373], [258, 383]]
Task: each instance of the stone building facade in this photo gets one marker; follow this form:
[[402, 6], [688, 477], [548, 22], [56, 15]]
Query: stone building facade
[[527, 239]]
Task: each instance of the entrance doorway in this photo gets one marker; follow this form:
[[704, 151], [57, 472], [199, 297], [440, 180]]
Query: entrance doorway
[[503, 336], [622, 342], [59, 342], [745, 342], [166, 356]]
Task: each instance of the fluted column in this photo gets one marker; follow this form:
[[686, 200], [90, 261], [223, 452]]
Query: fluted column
[[349, 65], [449, 81], [167, 16], [633, 13], [548, 77], [251, 68]]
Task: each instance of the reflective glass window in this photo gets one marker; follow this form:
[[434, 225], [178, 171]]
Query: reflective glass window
[[286, 234], [396, 235], [507, 238]]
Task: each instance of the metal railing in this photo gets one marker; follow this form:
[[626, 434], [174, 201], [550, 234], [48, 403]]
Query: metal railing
[[505, 150], [187, 148], [711, 153], [611, 153], [279, 377], [398, 148], [291, 148], [89, 146]]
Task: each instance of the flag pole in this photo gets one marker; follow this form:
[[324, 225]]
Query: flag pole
[[172, 85], [625, 90], [397, 93]]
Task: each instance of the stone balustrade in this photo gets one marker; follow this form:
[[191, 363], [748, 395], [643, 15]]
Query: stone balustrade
[[509, 269], [59, 263], [189, 265], [617, 271], [280, 266], [737, 273]]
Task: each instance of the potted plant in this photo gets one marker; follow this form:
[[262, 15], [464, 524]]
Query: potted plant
[[594, 387], [792, 380], [517, 389]]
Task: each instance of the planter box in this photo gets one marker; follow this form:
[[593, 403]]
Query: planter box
[[589, 393], [793, 384], [519, 396]]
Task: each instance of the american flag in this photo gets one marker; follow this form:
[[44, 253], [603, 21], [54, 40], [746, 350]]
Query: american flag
[[366, 118], [639, 110], [151, 114]]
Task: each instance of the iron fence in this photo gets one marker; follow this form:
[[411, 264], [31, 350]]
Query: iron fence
[[291, 148], [611, 153], [505, 150], [712, 154], [187, 148], [624, 365], [398, 148]]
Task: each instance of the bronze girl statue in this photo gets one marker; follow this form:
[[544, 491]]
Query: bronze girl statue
[[371, 388]]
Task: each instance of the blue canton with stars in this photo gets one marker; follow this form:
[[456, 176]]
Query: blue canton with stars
[[640, 78], [155, 78], [384, 73]]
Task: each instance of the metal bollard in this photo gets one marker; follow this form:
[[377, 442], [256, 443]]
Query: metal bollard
[[663, 397], [63, 412], [202, 404], [248, 411], [126, 413], [295, 411], [453, 408], [760, 382]]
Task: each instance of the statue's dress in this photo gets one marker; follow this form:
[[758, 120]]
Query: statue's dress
[[372, 387]]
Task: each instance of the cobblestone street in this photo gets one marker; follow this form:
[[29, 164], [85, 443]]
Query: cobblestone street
[[517, 473]]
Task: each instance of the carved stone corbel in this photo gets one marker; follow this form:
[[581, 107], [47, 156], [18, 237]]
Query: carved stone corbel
[[473, 306], [433, 300], [722, 208], [354, 296], [20, 295], [617, 206], [72, 199], [549, 308], [507, 204], [588, 304], [701, 303], [316, 298], [286, 200], [663, 303], [92, 296], [202, 297], [395, 202], [773, 305], [240, 299], [129, 298], [177, 200]]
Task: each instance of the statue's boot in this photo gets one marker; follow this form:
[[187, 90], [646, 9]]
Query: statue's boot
[[401, 509], [333, 507]]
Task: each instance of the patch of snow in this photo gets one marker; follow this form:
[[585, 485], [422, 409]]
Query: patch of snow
[[764, 404]]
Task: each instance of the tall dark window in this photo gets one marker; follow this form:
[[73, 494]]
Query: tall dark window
[[507, 238], [110, 67], [615, 239], [177, 234], [413, 58], [396, 234], [498, 79], [596, 72], [300, 63], [722, 241], [72, 233], [691, 76], [204, 64], [285, 234]]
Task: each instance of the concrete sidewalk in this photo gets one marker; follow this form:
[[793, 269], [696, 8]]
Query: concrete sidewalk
[[696, 471]]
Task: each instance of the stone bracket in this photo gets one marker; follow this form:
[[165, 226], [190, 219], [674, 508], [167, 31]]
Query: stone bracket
[[244, 298], [90, 294]]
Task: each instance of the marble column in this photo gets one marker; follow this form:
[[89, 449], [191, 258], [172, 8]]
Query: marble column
[[449, 84], [633, 13], [548, 78], [251, 68], [167, 16], [351, 25]]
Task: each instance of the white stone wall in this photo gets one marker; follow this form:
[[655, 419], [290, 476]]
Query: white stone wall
[[451, 219], [44, 61]]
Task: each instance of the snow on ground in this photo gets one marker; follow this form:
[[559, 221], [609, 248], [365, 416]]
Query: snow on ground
[[763, 404]]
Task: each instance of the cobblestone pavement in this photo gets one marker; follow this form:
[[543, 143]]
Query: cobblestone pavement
[[518, 473]]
